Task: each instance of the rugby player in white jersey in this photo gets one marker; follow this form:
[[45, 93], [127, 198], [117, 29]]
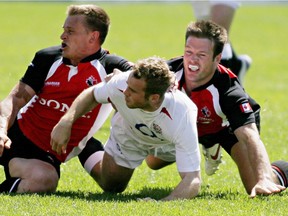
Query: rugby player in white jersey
[[151, 118]]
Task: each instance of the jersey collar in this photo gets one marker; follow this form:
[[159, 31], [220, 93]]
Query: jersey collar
[[92, 57]]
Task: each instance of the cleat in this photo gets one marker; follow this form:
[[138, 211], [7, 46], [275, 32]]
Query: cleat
[[212, 158], [238, 65], [280, 168]]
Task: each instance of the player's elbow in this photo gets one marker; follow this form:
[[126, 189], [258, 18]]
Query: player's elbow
[[197, 186]]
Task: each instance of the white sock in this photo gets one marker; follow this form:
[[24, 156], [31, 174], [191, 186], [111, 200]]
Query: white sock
[[227, 51], [93, 160]]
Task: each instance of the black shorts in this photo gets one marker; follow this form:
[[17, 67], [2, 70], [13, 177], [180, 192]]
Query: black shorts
[[226, 138], [22, 147]]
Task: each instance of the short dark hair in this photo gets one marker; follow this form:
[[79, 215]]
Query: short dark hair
[[210, 30], [96, 18], [156, 73]]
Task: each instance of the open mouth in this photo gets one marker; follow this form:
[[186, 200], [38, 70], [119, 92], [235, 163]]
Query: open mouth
[[193, 67], [63, 45]]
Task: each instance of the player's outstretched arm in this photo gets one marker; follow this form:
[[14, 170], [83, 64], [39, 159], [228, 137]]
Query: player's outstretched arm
[[60, 134], [9, 107], [188, 187], [256, 174]]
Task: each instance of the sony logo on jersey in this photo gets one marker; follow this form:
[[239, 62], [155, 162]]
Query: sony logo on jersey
[[62, 107]]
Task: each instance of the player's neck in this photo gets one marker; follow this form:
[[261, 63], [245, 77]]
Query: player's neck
[[153, 106], [191, 85]]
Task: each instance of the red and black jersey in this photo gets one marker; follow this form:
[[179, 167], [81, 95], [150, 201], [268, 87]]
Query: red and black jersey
[[222, 102], [57, 83]]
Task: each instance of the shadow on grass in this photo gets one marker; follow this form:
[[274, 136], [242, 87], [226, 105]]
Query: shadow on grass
[[231, 195], [223, 195], [155, 193]]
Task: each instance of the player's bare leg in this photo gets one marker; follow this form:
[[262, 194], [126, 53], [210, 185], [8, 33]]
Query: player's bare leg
[[156, 163], [110, 176], [35, 175]]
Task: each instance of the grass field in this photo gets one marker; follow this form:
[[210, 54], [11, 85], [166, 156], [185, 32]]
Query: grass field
[[138, 31]]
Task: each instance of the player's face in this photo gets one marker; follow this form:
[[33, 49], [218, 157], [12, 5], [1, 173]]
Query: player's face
[[75, 39], [135, 94], [199, 65]]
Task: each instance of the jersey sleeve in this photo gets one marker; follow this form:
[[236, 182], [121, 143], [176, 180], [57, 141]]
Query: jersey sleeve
[[186, 142], [237, 107], [106, 92], [111, 62], [38, 69], [101, 93]]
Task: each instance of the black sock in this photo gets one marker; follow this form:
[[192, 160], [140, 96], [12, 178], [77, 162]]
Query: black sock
[[10, 185], [92, 146]]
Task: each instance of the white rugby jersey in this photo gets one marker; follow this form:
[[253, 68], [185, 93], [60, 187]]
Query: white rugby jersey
[[171, 126]]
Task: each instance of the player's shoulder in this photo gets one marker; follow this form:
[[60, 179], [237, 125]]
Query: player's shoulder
[[112, 61], [119, 81], [226, 71], [47, 55], [175, 64], [224, 79], [179, 107], [181, 101], [50, 51], [44, 58]]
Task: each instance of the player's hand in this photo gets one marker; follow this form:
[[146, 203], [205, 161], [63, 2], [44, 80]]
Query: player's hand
[[60, 137], [5, 142], [266, 187]]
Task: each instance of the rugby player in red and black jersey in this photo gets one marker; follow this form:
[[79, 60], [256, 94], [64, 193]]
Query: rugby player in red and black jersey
[[226, 114], [52, 81]]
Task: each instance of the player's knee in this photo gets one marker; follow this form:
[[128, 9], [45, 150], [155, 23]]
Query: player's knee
[[116, 188], [113, 185], [36, 175], [108, 186], [39, 180], [47, 183], [38, 184]]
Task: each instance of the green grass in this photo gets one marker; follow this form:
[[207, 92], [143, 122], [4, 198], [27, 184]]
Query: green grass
[[138, 31]]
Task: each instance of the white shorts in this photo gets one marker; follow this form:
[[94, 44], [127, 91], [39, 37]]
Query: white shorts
[[129, 150], [132, 157]]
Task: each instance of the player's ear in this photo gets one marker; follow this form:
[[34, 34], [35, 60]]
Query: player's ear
[[95, 35], [154, 98], [218, 58]]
